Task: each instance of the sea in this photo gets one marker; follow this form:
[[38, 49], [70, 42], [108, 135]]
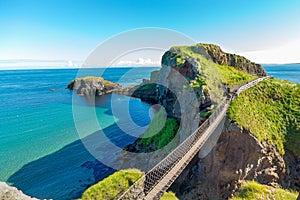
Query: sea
[[41, 149], [290, 72]]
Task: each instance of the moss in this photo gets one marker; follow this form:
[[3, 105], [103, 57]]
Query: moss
[[271, 112], [252, 190], [112, 186], [169, 196]]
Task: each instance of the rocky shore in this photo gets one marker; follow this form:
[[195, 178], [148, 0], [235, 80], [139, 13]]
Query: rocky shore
[[11, 193]]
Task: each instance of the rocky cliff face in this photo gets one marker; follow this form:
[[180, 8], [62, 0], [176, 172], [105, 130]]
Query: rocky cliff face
[[217, 55], [93, 86], [237, 156]]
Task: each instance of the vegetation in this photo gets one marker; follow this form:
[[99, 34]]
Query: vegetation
[[113, 186], [212, 77], [227, 74], [252, 190], [93, 78], [150, 86], [205, 114], [169, 196], [271, 112], [109, 84], [90, 78], [160, 131]]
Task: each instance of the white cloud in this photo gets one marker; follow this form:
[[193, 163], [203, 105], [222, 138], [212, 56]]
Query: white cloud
[[138, 62], [288, 53], [38, 64]]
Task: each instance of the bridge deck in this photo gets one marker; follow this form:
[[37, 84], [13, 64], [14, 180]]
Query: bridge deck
[[179, 167], [160, 177]]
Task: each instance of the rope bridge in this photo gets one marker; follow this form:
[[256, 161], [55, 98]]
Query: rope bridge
[[162, 175]]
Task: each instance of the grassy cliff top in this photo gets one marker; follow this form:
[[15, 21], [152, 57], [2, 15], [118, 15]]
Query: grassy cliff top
[[114, 185], [169, 196], [96, 78], [252, 190], [90, 78], [271, 112], [226, 74]]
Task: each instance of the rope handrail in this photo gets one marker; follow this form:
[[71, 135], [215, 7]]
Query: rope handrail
[[157, 173]]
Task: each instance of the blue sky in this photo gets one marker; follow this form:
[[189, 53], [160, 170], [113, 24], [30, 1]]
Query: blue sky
[[70, 30]]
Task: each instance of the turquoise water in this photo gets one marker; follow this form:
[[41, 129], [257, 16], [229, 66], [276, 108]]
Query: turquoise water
[[40, 150]]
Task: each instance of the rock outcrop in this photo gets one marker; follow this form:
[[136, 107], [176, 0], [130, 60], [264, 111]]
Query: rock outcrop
[[93, 86], [216, 54], [11, 193]]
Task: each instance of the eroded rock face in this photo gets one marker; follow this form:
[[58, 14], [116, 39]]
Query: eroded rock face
[[217, 55], [93, 86], [11, 193], [237, 156]]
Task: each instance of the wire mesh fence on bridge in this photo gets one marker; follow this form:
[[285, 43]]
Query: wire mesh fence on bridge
[[157, 173]]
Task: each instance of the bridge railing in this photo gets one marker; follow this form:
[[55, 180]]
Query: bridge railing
[[152, 177]]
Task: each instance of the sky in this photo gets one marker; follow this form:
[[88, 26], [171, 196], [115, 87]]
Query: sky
[[67, 31]]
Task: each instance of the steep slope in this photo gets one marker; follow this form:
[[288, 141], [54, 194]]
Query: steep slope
[[261, 136], [252, 190], [260, 141]]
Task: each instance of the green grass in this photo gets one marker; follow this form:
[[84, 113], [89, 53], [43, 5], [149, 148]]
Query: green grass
[[112, 186], [150, 86], [90, 78], [227, 74], [252, 190], [169, 196], [212, 77], [205, 114], [109, 84], [160, 131], [271, 112]]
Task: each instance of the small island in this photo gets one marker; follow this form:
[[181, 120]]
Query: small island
[[93, 86]]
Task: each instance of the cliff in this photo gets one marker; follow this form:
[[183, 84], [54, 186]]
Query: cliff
[[236, 157], [260, 139], [212, 53], [93, 86]]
